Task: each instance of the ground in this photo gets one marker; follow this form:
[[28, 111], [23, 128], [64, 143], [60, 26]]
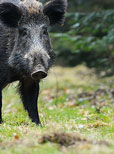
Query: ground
[[77, 112]]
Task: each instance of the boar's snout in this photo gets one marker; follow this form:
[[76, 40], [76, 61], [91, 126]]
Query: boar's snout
[[39, 74]]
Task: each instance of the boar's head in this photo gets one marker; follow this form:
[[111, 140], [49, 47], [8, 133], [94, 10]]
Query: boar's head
[[32, 53]]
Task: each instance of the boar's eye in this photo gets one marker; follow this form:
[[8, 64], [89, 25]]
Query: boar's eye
[[45, 31], [23, 31]]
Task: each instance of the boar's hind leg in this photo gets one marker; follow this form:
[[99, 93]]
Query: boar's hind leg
[[29, 91], [0, 106]]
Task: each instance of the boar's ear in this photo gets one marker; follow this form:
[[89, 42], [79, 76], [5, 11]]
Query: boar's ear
[[55, 10], [10, 14]]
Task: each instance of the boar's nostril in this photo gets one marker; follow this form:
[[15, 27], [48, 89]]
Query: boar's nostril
[[39, 75]]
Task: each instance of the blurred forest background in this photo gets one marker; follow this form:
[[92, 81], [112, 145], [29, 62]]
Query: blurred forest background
[[87, 35]]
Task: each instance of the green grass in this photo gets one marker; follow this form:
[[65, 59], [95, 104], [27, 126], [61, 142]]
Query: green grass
[[73, 101]]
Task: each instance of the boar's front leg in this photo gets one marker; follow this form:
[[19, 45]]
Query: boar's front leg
[[29, 91], [0, 105]]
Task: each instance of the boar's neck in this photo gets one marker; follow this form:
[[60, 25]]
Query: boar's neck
[[7, 41]]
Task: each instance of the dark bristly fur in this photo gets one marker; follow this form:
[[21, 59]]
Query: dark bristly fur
[[10, 14], [26, 53]]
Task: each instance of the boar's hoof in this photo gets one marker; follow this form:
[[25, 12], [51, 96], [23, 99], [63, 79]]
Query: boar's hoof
[[37, 122], [1, 121]]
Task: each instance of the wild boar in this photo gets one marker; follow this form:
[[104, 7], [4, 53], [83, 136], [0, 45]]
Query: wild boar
[[26, 53]]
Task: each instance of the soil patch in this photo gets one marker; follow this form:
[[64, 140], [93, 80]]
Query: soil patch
[[68, 139]]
